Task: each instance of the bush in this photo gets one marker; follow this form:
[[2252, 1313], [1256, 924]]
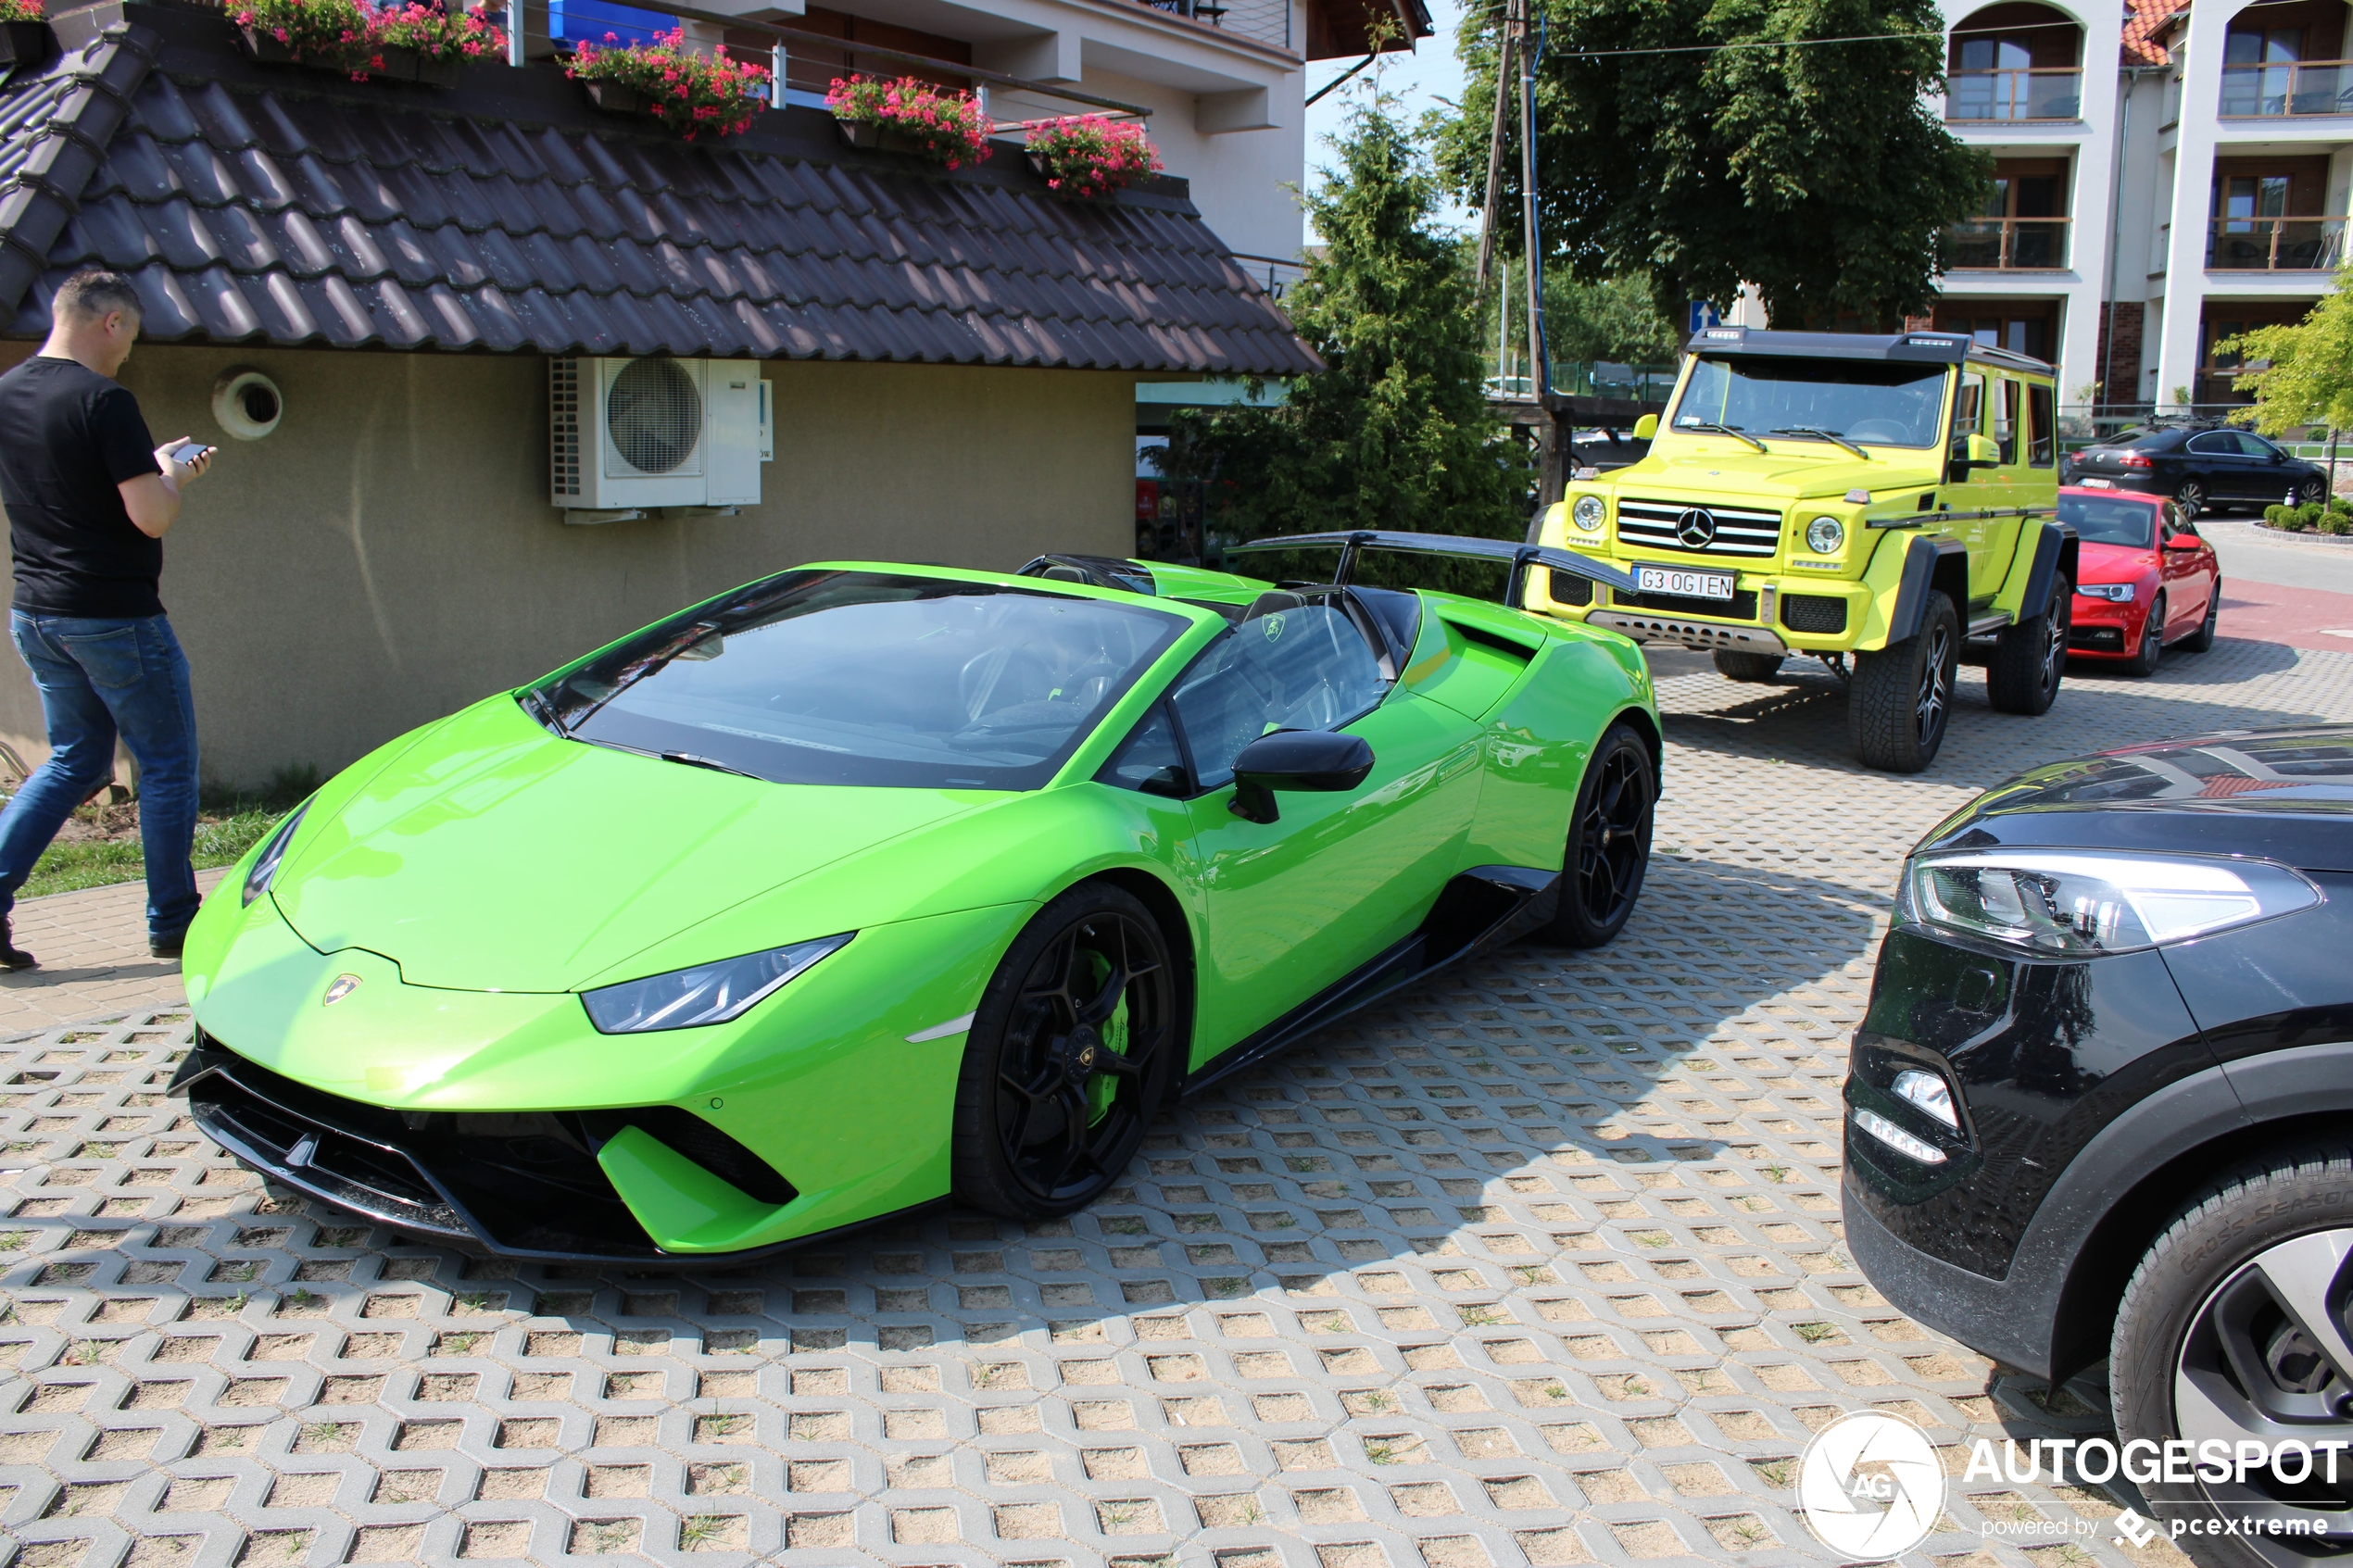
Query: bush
[[688, 93], [948, 127], [1088, 155], [19, 11], [2337, 522]]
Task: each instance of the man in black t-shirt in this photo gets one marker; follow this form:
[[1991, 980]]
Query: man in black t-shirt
[[90, 497]]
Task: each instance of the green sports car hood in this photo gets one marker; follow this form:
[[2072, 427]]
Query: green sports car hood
[[493, 856]]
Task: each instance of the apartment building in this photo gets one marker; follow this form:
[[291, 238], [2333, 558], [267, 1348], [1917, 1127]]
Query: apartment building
[[2165, 175]]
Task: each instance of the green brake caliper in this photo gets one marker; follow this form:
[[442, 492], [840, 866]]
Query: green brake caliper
[[1101, 1089]]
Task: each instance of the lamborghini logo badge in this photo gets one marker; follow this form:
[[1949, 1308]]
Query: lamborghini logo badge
[[343, 987], [1273, 624]]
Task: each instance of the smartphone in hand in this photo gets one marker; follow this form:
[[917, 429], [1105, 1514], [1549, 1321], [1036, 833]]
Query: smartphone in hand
[[190, 452]]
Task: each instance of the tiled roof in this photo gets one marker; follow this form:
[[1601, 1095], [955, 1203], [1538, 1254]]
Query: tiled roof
[[2145, 24], [255, 203]]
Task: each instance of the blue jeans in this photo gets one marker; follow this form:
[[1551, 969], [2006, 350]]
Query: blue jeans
[[100, 679]]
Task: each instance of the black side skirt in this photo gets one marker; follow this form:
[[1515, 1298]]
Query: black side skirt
[[1482, 907]]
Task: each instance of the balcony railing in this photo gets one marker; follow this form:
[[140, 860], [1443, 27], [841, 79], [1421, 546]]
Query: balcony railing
[[2020, 92], [2265, 92], [2006, 245], [1268, 22], [2274, 244]]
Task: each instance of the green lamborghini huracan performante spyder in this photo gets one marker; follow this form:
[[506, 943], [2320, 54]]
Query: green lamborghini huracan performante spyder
[[864, 885]]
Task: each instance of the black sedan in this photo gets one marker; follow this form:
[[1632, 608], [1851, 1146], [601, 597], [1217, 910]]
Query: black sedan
[[2204, 469], [2102, 1103]]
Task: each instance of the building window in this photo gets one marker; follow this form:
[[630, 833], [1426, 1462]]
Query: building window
[[2286, 59], [2023, 326], [2267, 216], [2022, 226], [2013, 62]]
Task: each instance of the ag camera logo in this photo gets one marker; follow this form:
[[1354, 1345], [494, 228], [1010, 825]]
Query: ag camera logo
[[1870, 1486]]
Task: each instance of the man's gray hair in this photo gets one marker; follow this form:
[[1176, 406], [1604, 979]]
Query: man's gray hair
[[93, 294]]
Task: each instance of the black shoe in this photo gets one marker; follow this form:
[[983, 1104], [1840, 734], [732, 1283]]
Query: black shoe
[[163, 946], [12, 956]]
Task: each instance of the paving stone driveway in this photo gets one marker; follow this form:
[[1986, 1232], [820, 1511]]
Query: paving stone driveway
[[1540, 1265]]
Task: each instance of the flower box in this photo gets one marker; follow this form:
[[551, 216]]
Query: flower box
[[880, 138], [265, 48], [616, 97], [24, 44], [437, 70]]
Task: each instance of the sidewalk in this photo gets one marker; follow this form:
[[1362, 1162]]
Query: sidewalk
[[93, 947]]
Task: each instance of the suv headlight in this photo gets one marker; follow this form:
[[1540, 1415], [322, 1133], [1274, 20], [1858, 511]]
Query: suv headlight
[[2114, 593], [273, 854], [1824, 535], [1587, 512], [709, 992], [2080, 902]]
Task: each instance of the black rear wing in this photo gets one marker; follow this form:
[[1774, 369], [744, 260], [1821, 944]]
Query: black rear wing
[[1467, 546]]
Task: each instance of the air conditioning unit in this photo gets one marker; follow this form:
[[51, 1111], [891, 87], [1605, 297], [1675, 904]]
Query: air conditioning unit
[[628, 435]]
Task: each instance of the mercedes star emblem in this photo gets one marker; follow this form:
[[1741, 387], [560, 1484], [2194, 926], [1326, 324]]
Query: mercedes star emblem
[[1696, 528]]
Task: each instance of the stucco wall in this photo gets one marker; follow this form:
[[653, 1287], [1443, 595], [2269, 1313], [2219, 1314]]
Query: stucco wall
[[388, 554]]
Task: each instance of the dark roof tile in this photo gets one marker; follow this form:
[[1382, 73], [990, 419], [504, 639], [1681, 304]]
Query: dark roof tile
[[265, 203]]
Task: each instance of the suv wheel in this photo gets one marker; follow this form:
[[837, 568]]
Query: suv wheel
[[1901, 698], [2191, 495], [2234, 1328], [1757, 669], [2030, 658], [2312, 489]]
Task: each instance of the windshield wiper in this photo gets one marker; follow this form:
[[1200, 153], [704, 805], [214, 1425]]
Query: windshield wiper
[[694, 759], [1826, 436], [541, 710], [1733, 431]]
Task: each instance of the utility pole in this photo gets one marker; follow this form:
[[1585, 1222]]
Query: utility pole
[[1515, 62]]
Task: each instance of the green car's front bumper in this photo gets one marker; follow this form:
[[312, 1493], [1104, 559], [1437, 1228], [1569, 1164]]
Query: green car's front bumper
[[720, 1143]]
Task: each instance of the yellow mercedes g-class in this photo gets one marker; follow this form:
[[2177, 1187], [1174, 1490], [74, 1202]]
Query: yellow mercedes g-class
[[1886, 504]]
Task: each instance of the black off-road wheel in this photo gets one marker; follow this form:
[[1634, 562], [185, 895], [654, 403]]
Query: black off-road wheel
[[2030, 657], [2151, 651], [1757, 669], [2191, 495], [2202, 639], [2234, 1328], [1072, 1050], [1901, 700], [1609, 842]]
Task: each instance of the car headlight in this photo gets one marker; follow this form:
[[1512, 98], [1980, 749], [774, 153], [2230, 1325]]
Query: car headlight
[[265, 865], [1587, 512], [708, 992], [2114, 593], [1824, 535], [2084, 902]]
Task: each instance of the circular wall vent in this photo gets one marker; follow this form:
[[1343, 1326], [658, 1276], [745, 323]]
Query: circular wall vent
[[248, 404], [654, 414]]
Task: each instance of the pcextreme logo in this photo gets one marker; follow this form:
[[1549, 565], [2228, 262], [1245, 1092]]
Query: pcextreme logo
[[1870, 1486]]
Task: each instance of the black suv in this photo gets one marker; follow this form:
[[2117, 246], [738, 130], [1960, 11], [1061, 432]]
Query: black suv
[[2204, 469], [2102, 1103]]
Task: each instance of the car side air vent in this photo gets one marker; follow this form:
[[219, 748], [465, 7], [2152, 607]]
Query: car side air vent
[[713, 1150], [1814, 612]]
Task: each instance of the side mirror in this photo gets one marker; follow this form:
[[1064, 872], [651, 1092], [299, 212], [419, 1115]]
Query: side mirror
[[1302, 760], [1646, 427], [1982, 452], [2182, 542]]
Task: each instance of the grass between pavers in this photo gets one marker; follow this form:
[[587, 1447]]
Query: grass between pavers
[[66, 868]]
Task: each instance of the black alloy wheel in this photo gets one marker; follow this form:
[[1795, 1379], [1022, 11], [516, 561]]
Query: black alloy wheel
[[1901, 698], [2312, 488], [1072, 1052], [2191, 495], [1609, 842], [2202, 639], [2234, 1328]]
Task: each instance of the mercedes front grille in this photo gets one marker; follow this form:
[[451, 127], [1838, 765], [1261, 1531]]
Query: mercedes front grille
[[1691, 528]]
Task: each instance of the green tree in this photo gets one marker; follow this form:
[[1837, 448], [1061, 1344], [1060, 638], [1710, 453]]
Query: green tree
[[1817, 173], [2306, 374], [1394, 431]]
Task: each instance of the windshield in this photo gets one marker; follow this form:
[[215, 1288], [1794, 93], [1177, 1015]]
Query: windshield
[[865, 678], [1884, 404], [2105, 522]]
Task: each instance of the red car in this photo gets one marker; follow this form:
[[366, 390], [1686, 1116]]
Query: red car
[[2145, 578]]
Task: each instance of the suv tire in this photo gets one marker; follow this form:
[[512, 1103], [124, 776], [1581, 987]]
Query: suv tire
[[1900, 702], [2030, 658], [2206, 1303], [1609, 842], [1757, 669]]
